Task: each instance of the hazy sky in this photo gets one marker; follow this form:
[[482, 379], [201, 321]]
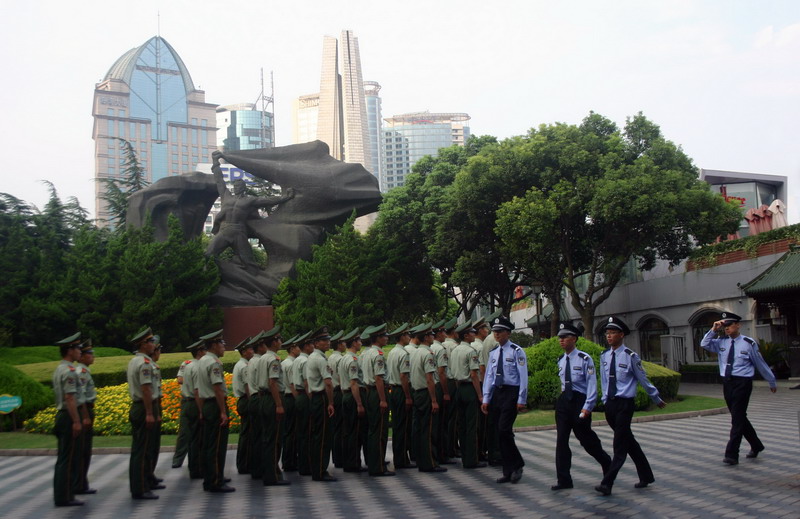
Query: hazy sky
[[720, 77]]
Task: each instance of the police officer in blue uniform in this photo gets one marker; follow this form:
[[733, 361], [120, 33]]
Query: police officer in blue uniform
[[506, 385], [621, 370], [574, 406], [738, 357]]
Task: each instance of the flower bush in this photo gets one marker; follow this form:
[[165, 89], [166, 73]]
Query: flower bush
[[112, 405]]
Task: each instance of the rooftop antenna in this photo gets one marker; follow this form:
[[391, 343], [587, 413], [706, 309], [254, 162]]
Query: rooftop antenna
[[267, 100], [158, 23]]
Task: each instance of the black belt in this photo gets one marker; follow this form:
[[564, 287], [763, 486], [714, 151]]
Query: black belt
[[315, 393], [463, 382], [90, 405], [370, 387], [262, 392], [395, 385], [506, 386], [419, 390], [187, 399], [345, 390], [337, 389], [212, 399], [243, 396]]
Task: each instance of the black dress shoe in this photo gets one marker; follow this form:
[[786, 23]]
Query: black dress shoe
[[158, 480], [87, 491], [504, 479], [560, 487], [146, 495], [641, 484], [177, 465], [447, 462], [730, 461], [74, 502], [434, 469], [603, 489], [516, 476], [158, 486], [752, 454], [224, 489], [359, 469], [226, 480], [325, 477], [279, 483], [480, 465], [290, 469]]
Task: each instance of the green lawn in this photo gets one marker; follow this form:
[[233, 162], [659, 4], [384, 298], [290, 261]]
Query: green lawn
[[20, 440]]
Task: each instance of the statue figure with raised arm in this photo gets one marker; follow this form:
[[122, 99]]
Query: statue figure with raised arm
[[230, 225]]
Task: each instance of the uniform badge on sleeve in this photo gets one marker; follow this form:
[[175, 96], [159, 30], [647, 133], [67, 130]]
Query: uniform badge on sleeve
[[522, 361], [590, 370]]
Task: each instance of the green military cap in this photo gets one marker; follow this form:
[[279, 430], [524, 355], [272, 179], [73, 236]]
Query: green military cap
[[243, 345], [288, 343], [400, 330], [422, 329], [157, 339], [465, 327], [367, 331], [195, 346], [451, 324], [144, 333], [69, 340], [302, 339], [86, 346], [438, 324], [321, 334], [494, 315], [351, 336], [337, 336], [378, 330], [213, 336], [479, 323], [413, 330], [275, 330], [255, 339]]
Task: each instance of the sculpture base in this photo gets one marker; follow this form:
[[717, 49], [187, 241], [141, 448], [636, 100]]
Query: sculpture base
[[245, 321]]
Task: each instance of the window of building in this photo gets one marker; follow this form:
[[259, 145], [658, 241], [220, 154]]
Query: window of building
[[203, 122], [700, 326], [122, 112], [110, 111], [194, 121], [111, 127], [174, 134], [650, 333]]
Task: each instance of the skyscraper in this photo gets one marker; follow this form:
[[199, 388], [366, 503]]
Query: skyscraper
[[409, 137], [374, 128], [340, 106], [148, 98], [243, 127]]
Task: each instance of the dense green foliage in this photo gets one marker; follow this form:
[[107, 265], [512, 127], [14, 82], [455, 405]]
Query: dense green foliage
[[33, 354], [35, 396], [544, 385], [707, 253]]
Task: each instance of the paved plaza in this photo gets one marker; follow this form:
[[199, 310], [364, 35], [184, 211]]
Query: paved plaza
[[686, 455]]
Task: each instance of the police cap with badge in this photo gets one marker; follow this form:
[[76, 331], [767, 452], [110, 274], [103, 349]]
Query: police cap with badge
[[567, 329], [728, 318], [615, 323], [502, 323]]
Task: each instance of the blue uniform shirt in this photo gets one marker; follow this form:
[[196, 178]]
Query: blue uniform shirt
[[584, 379], [629, 371], [515, 371], [747, 356]]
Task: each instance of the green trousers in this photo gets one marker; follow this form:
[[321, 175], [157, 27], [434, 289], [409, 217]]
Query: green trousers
[[244, 449], [154, 443], [301, 434], [289, 457], [378, 434], [271, 436], [352, 438], [321, 434], [424, 433], [184, 433], [140, 465], [215, 445], [195, 441], [401, 419], [467, 419], [255, 433], [336, 448], [449, 417], [66, 472], [85, 440]]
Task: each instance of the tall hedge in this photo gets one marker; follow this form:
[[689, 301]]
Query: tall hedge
[[35, 396], [544, 385]]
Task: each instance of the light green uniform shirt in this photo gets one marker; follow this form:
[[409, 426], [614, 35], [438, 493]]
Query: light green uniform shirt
[[261, 383], [253, 373], [298, 372], [286, 374], [398, 361], [271, 367], [373, 364], [422, 362], [464, 360], [317, 370], [140, 372], [449, 345], [488, 345], [187, 391], [65, 381], [442, 357], [210, 373], [350, 369], [88, 393], [156, 381], [333, 363], [239, 382]]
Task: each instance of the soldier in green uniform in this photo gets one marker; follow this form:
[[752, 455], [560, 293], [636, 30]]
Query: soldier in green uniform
[[374, 368], [259, 346], [187, 405], [301, 403], [241, 391], [86, 405], [68, 425], [212, 389], [155, 433], [443, 395], [354, 396], [272, 412], [492, 443], [477, 345], [398, 366], [141, 414], [338, 346], [464, 364], [412, 345], [319, 389], [289, 456], [423, 370], [448, 337]]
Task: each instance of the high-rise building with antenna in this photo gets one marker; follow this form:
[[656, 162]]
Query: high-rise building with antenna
[[148, 98]]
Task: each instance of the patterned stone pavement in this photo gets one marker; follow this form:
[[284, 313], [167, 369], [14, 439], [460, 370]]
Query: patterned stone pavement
[[686, 455]]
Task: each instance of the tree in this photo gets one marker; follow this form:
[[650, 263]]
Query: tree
[[601, 198], [118, 190]]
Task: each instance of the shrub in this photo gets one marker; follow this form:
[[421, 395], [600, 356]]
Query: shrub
[[543, 367], [523, 339], [35, 396], [20, 355]]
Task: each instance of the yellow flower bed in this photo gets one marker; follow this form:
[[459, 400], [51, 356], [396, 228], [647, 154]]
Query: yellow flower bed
[[112, 405]]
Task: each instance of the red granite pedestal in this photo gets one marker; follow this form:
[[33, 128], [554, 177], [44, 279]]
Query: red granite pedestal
[[244, 321]]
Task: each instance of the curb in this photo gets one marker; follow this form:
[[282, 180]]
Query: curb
[[171, 448]]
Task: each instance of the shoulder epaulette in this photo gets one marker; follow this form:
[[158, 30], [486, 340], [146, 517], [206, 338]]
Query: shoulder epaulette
[[582, 355], [147, 361], [72, 368], [749, 340], [630, 351], [187, 361]]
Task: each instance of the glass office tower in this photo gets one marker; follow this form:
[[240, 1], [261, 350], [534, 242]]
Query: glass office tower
[[243, 127]]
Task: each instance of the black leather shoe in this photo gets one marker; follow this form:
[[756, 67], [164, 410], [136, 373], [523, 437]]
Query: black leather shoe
[[146, 495], [282, 482], [224, 489], [447, 462], [516, 476], [74, 502], [158, 480], [434, 469], [504, 479], [359, 469], [226, 480], [560, 487], [290, 469], [87, 491], [641, 484], [752, 454], [325, 477], [158, 486], [606, 491], [480, 465], [730, 461], [177, 465]]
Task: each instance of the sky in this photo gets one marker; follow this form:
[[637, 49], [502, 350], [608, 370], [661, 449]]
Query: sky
[[720, 77]]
